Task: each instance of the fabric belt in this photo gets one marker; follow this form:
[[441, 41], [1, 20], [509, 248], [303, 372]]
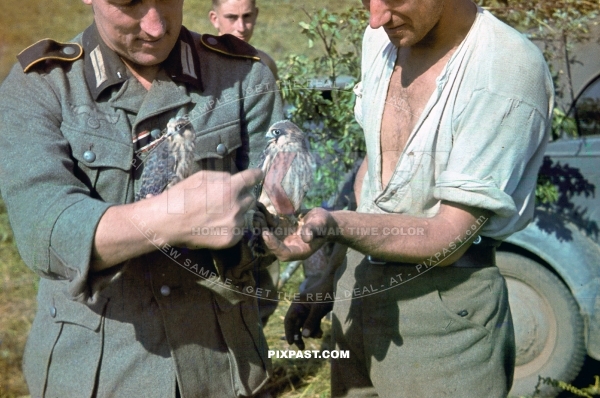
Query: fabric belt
[[481, 254]]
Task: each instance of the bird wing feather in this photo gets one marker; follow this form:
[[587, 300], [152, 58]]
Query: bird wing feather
[[156, 175]]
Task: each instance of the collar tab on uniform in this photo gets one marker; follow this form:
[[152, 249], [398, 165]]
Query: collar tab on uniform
[[103, 68], [183, 64], [229, 45], [48, 49]]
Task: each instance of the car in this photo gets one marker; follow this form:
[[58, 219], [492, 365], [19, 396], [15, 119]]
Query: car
[[552, 267]]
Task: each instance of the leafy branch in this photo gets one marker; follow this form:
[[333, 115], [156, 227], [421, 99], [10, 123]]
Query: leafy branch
[[318, 92], [588, 392]]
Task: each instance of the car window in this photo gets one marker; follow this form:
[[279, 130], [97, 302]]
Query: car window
[[587, 109]]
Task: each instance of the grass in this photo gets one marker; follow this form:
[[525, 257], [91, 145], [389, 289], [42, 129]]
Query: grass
[[17, 307], [295, 378]]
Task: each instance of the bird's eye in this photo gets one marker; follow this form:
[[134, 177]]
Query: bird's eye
[[276, 132]]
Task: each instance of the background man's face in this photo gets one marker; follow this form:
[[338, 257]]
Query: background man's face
[[406, 22], [142, 32], [236, 17]]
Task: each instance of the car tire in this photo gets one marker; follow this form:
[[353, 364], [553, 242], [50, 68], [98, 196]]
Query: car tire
[[548, 326]]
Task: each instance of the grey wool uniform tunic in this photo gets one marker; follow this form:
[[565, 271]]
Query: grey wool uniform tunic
[[71, 119]]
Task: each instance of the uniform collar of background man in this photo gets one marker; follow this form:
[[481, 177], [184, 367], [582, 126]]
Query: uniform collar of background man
[[236, 17], [141, 32]]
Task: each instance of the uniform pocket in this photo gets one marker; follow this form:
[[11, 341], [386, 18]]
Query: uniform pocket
[[470, 297], [101, 163], [95, 152], [77, 351], [219, 141], [73, 312], [247, 346]]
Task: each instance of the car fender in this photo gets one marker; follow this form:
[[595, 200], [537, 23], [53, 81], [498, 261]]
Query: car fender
[[576, 259]]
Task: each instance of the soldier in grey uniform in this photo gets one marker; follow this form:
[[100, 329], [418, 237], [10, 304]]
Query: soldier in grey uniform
[[153, 298]]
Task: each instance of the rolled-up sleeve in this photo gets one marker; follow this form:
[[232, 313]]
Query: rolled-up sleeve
[[498, 145], [484, 194], [52, 213]]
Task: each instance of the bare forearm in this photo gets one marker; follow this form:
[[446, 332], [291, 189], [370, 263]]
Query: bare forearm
[[125, 232], [402, 238], [213, 200], [441, 239]]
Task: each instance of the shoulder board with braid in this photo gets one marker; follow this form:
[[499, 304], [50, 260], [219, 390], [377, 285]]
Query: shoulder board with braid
[[229, 45], [48, 50]]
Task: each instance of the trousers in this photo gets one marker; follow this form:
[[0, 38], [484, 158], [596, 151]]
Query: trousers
[[416, 331]]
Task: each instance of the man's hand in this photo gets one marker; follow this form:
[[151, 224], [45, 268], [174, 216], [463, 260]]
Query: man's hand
[[311, 234], [303, 318], [210, 201]]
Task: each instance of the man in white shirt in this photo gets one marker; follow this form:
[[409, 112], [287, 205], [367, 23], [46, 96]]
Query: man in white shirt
[[456, 107]]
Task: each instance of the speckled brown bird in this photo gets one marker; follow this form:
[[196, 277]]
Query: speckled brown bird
[[288, 167], [170, 160]]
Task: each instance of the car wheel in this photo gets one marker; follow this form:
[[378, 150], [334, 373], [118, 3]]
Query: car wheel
[[548, 325]]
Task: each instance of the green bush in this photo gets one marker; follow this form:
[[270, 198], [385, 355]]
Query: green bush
[[336, 138]]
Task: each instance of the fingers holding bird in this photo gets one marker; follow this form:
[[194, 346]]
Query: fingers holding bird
[[298, 243]]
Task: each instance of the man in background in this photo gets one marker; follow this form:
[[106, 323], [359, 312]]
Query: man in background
[[238, 18]]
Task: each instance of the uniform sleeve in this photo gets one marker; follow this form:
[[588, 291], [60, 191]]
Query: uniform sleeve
[[262, 108], [51, 212], [497, 150]]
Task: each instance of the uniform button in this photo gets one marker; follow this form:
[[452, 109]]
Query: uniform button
[[155, 133], [68, 51], [89, 156], [463, 313], [212, 40], [477, 240], [165, 290], [53, 311], [221, 149]]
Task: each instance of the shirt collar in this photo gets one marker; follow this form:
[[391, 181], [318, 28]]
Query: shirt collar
[[104, 68]]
